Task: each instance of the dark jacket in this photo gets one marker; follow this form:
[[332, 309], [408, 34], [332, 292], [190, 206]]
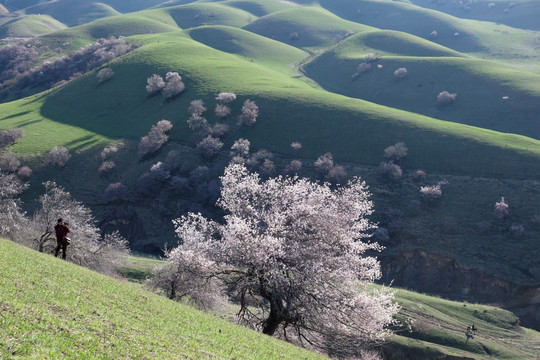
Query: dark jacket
[[61, 231]]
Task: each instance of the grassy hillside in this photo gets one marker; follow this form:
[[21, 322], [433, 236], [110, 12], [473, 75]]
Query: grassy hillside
[[519, 14], [29, 26], [489, 95], [73, 13], [355, 130], [305, 27], [50, 309]]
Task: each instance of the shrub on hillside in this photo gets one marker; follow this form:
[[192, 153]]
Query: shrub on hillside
[[115, 191], [108, 151], [396, 152], [324, 164], [173, 85], [154, 84], [222, 111], [390, 171], [400, 73], [445, 98], [105, 74], [226, 97], [295, 145], [10, 136], [362, 68], [58, 156], [249, 113], [431, 192], [106, 167], [156, 138], [24, 172], [293, 168], [209, 147], [218, 130], [9, 163], [196, 107], [240, 148], [197, 123]]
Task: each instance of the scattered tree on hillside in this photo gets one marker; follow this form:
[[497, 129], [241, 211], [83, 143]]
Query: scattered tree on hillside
[[390, 171], [105, 74], [218, 130], [155, 139], [371, 57], [196, 107], [154, 84], [209, 147], [197, 122], [108, 151], [434, 34], [291, 253], [500, 209], [106, 167], [240, 148], [9, 162], [226, 97], [79, 62], [400, 73], [24, 172], [88, 248], [432, 192], [262, 162], [115, 191], [58, 156], [10, 136], [295, 145], [445, 98], [222, 111], [362, 68], [173, 86], [294, 168], [12, 219], [324, 164], [396, 152], [249, 113]]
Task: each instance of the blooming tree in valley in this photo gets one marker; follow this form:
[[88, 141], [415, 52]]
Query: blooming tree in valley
[[293, 254]]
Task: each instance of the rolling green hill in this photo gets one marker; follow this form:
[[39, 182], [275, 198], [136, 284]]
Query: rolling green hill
[[29, 26]]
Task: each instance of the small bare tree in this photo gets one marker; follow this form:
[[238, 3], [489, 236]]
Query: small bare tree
[[226, 97], [174, 85], [400, 73], [396, 152], [500, 209], [445, 98], [10, 136]]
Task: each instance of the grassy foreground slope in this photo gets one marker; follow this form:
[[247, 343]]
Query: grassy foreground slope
[[51, 309]]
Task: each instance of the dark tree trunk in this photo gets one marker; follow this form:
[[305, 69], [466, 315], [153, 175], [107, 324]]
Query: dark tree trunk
[[271, 324]]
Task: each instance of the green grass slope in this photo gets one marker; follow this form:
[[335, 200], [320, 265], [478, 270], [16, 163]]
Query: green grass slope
[[483, 39], [481, 86], [249, 46], [259, 7], [198, 14], [354, 130], [519, 14], [72, 12], [439, 328], [51, 309], [305, 27], [30, 26]]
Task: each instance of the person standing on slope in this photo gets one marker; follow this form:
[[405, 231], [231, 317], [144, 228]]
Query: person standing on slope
[[62, 241]]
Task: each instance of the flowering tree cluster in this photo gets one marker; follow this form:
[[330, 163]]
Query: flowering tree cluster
[[79, 62], [432, 192], [170, 87], [155, 139], [292, 253]]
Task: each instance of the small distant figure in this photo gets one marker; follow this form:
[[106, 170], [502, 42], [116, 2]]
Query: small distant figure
[[62, 240], [473, 329]]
